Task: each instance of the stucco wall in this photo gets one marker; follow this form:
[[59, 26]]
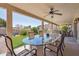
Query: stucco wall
[[77, 16], [78, 32]]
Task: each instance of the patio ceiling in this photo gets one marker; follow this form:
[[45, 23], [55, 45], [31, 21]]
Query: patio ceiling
[[69, 11]]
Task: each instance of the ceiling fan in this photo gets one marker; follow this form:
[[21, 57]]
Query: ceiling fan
[[53, 12]]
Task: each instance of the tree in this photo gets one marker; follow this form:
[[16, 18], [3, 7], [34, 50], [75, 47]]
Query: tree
[[2, 23], [35, 29], [63, 28], [23, 32]]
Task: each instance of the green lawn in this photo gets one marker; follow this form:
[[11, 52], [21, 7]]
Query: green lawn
[[17, 40]]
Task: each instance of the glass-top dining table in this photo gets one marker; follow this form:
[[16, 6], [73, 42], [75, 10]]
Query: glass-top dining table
[[39, 42]]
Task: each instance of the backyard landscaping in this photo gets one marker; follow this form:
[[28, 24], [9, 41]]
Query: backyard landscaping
[[17, 40]]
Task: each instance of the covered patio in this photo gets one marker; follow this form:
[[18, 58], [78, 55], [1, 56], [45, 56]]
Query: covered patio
[[39, 11]]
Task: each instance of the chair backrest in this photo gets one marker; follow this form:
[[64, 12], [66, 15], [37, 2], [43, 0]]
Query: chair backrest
[[61, 40], [9, 45]]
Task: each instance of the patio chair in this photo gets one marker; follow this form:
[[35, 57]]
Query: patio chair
[[63, 44], [56, 47], [10, 49]]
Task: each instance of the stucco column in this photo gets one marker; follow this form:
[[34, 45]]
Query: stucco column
[[40, 49], [9, 23], [9, 29], [51, 28], [75, 29], [43, 26]]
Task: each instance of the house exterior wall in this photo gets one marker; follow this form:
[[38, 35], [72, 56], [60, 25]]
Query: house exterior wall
[[78, 32]]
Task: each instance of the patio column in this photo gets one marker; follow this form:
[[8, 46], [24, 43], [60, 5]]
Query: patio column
[[9, 23], [56, 27], [52, 28], [75, 28], [40, 49], [43, 26], [9, 27]]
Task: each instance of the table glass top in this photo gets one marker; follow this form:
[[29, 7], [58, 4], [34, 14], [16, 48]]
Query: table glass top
[[37, 40]]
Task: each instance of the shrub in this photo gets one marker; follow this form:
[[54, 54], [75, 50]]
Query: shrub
[[63, 28], [2, 23], [35, 29], [23, 32]]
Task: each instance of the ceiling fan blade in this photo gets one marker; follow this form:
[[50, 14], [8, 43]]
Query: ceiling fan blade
[[58, 13]]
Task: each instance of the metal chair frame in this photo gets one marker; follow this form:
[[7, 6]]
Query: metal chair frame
[[12, 50]]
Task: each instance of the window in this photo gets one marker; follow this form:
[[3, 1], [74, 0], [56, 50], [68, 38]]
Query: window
[[3, 16], [2, 30], [21, 26]]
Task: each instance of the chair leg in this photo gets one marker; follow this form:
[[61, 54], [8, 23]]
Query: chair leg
[[57, 51], [45, 51], [64, 44], [62, 47], [24, 47], [35, 52], [61, 52]]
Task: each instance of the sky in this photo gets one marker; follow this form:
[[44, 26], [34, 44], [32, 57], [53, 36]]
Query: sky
[[20, 19]]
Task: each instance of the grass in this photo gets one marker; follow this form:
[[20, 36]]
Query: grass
[[17, 40]]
